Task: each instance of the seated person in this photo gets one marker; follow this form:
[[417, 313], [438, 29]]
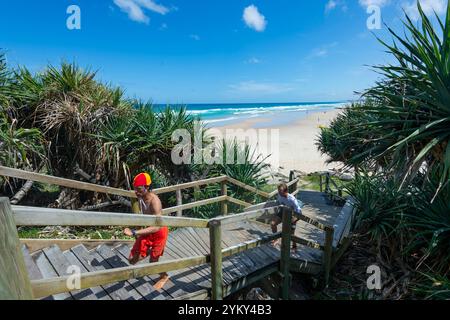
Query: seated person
[[288, 200]]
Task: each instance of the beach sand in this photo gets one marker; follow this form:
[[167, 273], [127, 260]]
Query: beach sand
[[296, 149]]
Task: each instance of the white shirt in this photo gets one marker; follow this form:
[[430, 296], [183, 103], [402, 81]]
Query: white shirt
[[290, 202]]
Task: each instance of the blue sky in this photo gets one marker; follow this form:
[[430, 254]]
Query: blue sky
[[209, 51]]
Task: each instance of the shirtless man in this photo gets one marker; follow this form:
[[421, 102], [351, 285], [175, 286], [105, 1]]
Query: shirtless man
[[151, 238]]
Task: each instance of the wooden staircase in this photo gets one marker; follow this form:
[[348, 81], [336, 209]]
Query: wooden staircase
[[204, 258], [189, 283]]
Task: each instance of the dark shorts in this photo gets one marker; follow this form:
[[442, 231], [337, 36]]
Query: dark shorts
[[280, 214], [295, 215]]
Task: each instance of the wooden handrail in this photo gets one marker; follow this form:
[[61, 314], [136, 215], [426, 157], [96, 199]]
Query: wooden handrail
[[188, 185], [194, 204], [79, 185], [50, 286], [247, 215], [47, 287], [247, 187], [32, 216], [73, 184], [238, 202]]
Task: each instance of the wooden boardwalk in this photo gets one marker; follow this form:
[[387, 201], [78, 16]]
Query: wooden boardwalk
[[194, 283]]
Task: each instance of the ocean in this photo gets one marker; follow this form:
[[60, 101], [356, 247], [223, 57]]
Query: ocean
[[279, 113]]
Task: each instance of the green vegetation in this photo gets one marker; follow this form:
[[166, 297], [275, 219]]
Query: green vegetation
[[397, 141], [64, 122]]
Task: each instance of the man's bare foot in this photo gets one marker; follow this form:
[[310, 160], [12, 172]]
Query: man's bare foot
[[161, 282]]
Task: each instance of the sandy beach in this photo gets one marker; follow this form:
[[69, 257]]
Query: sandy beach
[[295, 148]]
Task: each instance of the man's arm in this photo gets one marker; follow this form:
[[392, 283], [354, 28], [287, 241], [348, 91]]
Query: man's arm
[[156, 207]]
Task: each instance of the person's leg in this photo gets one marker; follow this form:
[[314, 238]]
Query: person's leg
[[138, 252], [276, 220], [294, 244], [163, 277]]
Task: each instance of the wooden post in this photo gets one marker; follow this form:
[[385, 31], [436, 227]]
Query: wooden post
[[328, 253], [224, 192], [286, 253], [215, 238], [327, 184], [179, 202], [291, 177], [14, 280]]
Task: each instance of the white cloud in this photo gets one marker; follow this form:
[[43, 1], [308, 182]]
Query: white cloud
[[135, 9], [428, 6], [335, 4], [331, 5], [254, 19], [253, 60], [378, 3], [323, 51], [260, 87], [196, 37]]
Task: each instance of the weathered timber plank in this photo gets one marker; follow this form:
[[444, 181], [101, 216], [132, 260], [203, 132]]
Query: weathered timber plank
[[92, 261], [124, 251], [34, 216], [241, 261], [47, 271], [197, 276], [65, 244], [179, 243], [33, 270], [14, 280], [61, 265], [99, 292], [144, 288]]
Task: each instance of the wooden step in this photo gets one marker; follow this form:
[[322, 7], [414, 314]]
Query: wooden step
[[97, 292], [33, 271], [92, 261], [65, 268], [47, 271], [141, 285]]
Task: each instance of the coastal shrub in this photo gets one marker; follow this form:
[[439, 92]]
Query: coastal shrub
[[414, 98], [247, 166], [19, 147], [350, 139], [67, 105], [431, 286], [380, 204], [429, 220]]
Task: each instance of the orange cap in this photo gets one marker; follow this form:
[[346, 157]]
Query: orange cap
[[142, 180]]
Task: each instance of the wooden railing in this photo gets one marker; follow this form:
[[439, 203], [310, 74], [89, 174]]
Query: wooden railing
[[223, 198], [22, 287], [329, 186], [26, 216]]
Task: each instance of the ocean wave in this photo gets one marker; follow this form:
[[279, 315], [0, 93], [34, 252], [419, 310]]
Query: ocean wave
[[217, 114], [219, 120]]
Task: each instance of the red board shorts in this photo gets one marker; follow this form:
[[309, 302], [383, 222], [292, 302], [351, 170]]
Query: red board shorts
[[154, 241]]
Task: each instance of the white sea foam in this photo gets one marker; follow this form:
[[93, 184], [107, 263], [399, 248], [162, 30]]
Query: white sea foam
[[227, 114]]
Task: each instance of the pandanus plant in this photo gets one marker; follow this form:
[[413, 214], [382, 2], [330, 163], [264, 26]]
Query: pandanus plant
[[413, 100]]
